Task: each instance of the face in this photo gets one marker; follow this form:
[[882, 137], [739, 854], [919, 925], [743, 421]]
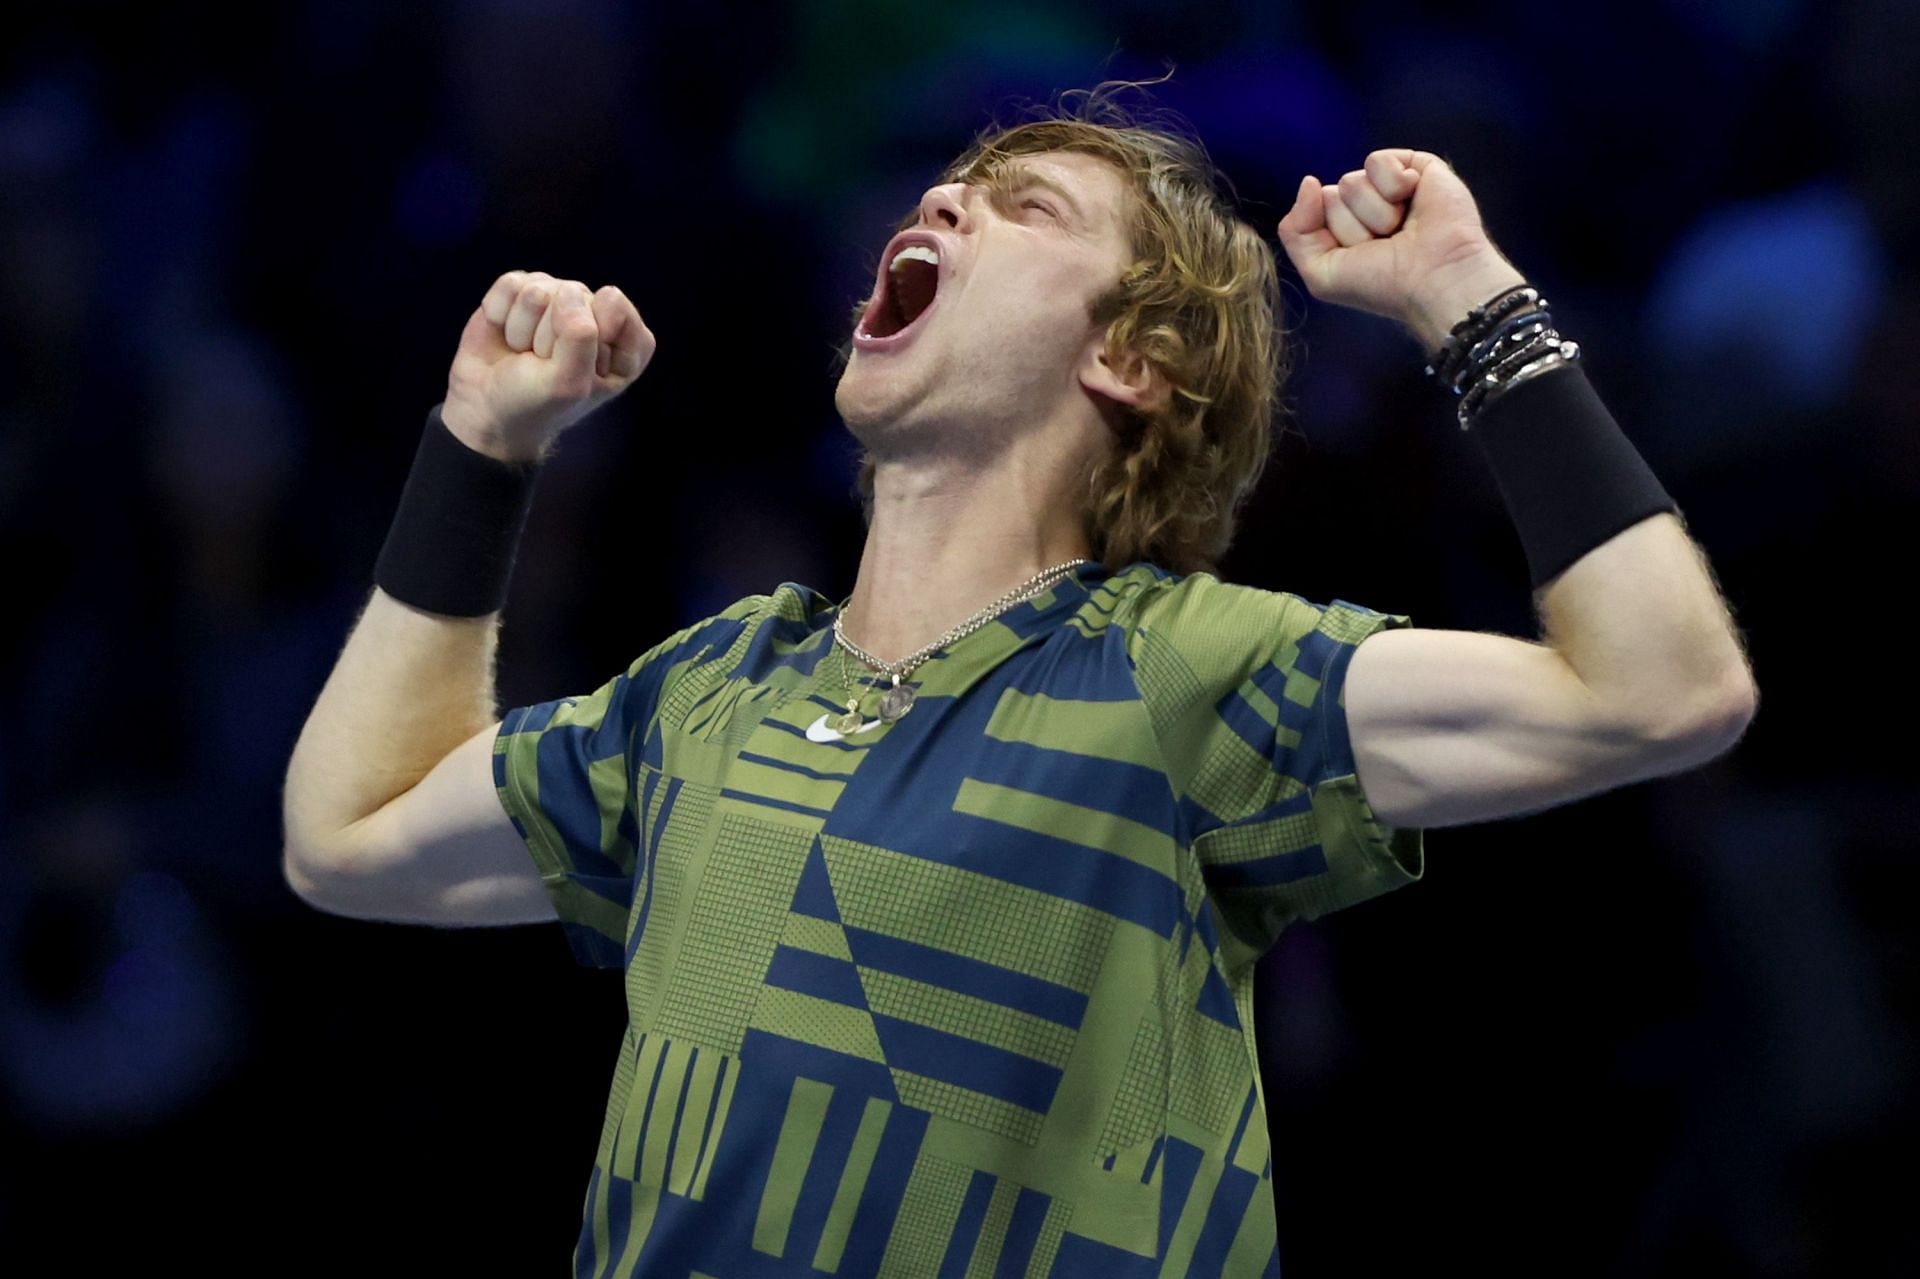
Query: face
[[994, 338]]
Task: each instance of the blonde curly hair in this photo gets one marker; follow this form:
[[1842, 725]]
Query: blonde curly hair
[[1200, 302]]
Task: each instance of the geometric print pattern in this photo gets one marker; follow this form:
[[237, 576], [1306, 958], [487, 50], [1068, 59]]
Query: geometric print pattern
[[967, 994]]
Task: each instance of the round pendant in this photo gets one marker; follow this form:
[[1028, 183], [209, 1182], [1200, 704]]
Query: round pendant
[[848, 723], [897, 702]]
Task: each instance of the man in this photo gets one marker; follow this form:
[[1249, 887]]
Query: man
[[938, 908]]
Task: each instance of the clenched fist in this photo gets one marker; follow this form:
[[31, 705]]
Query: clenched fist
[[537, 355], [1401, 238]]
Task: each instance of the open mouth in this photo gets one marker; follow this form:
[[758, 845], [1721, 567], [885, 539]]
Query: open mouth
[[907, 290]]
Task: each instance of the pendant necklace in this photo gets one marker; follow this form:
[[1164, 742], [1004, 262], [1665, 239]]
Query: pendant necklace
[[898, 699]]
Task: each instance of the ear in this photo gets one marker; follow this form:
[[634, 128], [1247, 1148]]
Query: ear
[[1131, 379]]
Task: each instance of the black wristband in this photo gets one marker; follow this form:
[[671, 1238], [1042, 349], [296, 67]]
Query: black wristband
[[1571, 479], [452, 544]]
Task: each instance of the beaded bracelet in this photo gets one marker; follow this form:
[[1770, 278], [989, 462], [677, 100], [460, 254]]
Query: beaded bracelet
[[1454, 348], [1500, 343], [1516, 337], [1536, 358], [1514, 333]]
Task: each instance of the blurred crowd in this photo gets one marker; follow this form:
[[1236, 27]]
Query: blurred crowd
[[1667, 1030]]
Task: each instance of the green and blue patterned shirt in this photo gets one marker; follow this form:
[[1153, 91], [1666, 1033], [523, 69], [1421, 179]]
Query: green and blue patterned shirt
[[970, 993]]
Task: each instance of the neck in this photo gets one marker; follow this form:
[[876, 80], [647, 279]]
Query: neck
[[946, 540]]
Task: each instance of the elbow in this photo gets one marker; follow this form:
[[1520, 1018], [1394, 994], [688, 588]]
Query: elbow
[[336, 872], [311, 862], [1732, 712], [313, 851], [317, 884], [1714, 726], [300, 861], [302, 873]]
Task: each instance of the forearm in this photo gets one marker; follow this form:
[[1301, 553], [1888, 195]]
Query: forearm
[[1642, 622], [1637, 615], [409, 686], [415, 679]]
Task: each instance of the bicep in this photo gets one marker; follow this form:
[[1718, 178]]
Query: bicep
[[444, 852], [1449, 727]]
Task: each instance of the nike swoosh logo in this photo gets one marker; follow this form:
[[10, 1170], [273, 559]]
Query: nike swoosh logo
[[819, 732]]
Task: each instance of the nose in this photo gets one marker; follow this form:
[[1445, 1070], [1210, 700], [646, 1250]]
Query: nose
[[946, 203]]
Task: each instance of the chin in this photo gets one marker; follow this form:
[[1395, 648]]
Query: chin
[[864, 408], [847, 402]]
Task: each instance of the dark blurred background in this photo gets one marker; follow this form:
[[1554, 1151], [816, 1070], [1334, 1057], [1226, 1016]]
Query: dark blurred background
[[1668, 1030]]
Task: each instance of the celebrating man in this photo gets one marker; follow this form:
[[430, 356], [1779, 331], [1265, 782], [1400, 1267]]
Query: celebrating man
[[938, 905]]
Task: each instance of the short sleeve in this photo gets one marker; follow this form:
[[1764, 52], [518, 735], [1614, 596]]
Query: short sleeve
[[568, 771], [1246, 688]]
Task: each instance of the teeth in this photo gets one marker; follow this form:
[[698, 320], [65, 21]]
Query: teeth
[[918, 252]]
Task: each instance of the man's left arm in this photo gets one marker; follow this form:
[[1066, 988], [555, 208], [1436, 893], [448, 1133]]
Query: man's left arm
[[1640, 671], [1640, 674]]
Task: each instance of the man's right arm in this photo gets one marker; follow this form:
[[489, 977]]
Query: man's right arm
[[390, 809]]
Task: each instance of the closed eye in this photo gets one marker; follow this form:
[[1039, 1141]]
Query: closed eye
[[1040, 205]]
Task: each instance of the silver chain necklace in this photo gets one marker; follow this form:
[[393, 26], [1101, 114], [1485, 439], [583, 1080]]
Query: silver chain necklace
[[898, 699]]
